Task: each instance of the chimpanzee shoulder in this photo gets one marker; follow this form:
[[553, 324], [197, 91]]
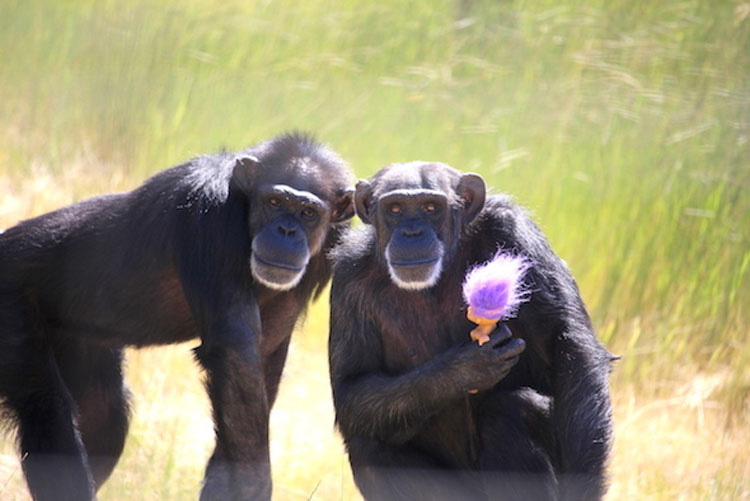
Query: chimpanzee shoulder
[[499, 221], [200, 183], [354, 252], [357, 274], [505, 225], [509, 226]]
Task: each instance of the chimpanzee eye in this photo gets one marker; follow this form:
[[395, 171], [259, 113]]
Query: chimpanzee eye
[[309, 214], [274, 202], [395, 209], [430, 207]]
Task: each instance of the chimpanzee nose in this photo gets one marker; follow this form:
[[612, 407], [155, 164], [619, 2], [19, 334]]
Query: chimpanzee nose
[[411, 231], [287, 229]]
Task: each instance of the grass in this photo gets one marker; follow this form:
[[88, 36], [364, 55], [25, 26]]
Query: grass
[[622, 125]]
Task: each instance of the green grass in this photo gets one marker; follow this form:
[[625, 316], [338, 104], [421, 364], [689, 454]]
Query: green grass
[[623, 125]]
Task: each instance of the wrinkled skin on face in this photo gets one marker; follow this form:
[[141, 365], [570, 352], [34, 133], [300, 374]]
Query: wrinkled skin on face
[[418, 214], [289, 217]]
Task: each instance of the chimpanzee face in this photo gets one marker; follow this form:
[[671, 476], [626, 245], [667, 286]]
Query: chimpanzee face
[[413, 220], [291, 209], [294, 229], [418, 210]]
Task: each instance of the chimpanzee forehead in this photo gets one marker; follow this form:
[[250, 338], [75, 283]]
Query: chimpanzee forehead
[[305, 174], [415, 176], [412, 195], [290, 193]]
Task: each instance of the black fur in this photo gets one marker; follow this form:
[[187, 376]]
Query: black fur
[[402, 362], [164, 263]]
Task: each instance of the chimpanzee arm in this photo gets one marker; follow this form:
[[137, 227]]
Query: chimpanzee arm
[[555, 321], [239, 467], [371, 403], [582, 414], [578, 375], [217, 285]]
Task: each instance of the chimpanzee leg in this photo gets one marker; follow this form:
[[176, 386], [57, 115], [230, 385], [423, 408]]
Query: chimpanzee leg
[[240, 465], [93, 374], [273, 367], [52, 453], [515, 437], [384, 472]]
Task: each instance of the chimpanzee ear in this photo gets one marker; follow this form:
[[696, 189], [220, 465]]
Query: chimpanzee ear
[[472, 191], [363, 200], [343, 206], [246, 169]]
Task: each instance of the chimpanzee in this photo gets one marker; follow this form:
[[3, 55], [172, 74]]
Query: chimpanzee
[[227, 248], [404, 371]]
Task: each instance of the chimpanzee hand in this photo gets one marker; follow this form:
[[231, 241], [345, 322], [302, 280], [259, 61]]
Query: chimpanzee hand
[[476, 367]]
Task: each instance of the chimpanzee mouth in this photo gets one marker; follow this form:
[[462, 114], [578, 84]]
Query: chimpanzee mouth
[[274, 264], [275, 275], [416, 262], [416, 275]]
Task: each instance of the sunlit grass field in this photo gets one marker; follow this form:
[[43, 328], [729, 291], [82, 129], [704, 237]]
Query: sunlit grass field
[[623, 125]]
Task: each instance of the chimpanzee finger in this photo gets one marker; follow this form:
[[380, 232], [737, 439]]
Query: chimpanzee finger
[[513, 347], [506, 365], [500, 334]]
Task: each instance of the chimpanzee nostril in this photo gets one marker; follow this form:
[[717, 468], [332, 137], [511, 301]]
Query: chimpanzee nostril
[[286, 231], [409, 232]]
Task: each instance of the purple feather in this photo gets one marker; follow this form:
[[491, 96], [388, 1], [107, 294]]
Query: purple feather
[[494, 288]]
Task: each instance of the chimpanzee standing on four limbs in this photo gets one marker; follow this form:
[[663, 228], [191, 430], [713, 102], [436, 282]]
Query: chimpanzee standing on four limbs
[[227, 248], [402, 362]]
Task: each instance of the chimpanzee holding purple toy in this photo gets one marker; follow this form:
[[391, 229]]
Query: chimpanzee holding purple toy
[[403, 367]]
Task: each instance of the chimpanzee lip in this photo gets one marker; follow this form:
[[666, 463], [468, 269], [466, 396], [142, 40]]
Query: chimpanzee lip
[[416, 262], [275, 264]]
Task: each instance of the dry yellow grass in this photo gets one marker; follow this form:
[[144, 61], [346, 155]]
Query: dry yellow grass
[[678, 447]]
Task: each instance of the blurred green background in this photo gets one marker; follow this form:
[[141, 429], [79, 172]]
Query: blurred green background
[[623, 125]]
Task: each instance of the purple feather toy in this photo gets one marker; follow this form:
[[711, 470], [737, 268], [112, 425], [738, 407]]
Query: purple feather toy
[[494, 292]]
